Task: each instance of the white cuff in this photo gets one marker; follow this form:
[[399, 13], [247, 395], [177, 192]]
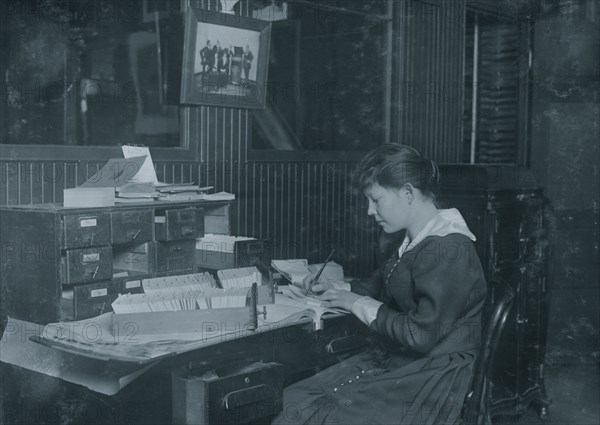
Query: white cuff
[[344, 286], [365, 308]]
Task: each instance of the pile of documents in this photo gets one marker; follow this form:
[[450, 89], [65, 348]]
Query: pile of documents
[[181, 192], [133, 179]]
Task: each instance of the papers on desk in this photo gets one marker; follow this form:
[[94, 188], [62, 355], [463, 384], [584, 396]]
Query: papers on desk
[[137, 190], [146, 172], [99, 189], [182, 192], [219, 196], [17, 349], [133, 179], [219, 243], [242, 277], [296, 270], [332, 271], [137, 340], [116, 172], [89, 197]]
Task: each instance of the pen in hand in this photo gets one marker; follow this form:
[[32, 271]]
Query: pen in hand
[[316, 279]]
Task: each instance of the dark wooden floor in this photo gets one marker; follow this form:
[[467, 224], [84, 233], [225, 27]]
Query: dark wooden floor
[[575, 394], [574, 391]]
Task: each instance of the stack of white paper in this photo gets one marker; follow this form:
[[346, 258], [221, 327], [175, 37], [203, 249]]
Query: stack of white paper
[[220, 243], [182, 283], [242, 277]]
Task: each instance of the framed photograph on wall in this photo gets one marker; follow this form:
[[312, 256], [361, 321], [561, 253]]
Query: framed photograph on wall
[[225, 60]]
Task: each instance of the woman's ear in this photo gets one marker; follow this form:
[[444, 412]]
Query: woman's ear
[[409, 192]]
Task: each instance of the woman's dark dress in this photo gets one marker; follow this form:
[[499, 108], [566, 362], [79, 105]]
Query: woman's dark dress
[[426, 335]]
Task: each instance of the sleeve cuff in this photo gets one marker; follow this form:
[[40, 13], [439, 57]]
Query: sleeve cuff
[[344, 286], [365, 308]]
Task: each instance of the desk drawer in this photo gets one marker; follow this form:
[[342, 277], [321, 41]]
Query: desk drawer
[[131, 226], [176, 255], [182, 223], [243, 396], [87, 265], [83, 230]]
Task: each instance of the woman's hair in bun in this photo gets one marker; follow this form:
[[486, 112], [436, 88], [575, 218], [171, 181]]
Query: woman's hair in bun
[[393, 165]]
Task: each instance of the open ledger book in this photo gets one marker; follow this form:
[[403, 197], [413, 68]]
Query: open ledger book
[[294, 306]]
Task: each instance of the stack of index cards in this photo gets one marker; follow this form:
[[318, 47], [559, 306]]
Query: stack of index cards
[[242, 277]]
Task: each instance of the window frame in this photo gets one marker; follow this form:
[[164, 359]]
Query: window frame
[[274, 155], [185, 152]]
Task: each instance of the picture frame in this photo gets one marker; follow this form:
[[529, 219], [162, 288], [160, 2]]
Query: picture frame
[[225, 60]]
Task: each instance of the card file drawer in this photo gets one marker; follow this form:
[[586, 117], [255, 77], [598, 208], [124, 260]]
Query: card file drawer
[[131, 226], [87, 265], [245, 254], [182, 223], [133, 260], [177, 255], [243, 396], [128, 285], [87, 300], [84, 230]]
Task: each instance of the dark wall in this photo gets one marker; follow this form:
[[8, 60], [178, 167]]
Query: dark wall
[[565, 155]]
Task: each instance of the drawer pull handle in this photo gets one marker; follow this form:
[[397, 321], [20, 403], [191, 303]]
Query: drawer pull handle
[[177, 249], [236, 399], [134, 235], [342, 344], [95, 272], [92, 238], [186, 231]]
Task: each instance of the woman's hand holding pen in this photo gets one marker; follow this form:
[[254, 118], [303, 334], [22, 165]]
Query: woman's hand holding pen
[[308, 283], [327, 292]]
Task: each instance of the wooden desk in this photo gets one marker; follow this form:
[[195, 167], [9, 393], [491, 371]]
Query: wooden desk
[[30, 397]]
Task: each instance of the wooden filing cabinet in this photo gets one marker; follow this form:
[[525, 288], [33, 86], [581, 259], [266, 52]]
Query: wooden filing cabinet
[[71, 263]]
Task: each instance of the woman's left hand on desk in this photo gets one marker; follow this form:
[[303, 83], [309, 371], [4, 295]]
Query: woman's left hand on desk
[[338, 298]]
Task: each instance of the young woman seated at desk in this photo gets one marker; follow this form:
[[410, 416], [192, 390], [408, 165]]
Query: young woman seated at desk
[[423, 307]]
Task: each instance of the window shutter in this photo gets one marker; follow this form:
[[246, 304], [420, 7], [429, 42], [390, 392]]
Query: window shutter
[[498, 105]]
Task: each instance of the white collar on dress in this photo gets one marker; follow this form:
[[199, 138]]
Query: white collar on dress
[[444, 223]]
